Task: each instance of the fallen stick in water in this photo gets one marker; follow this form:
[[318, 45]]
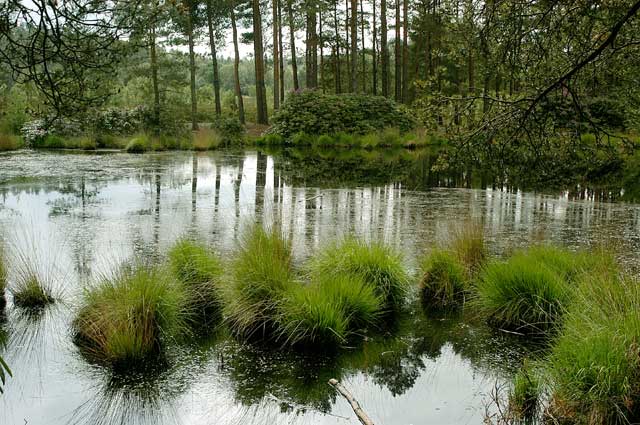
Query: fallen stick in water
[[362, 416]]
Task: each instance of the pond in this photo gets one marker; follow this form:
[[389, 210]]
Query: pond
[[78, 215]]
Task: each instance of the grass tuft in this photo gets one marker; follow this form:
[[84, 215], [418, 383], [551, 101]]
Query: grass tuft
[[444, 280], [522, 294], [260, 276], [594, 366], [377, 264], [31, 293], [130, 316], [138, 144], [200, 272], [468, 245]]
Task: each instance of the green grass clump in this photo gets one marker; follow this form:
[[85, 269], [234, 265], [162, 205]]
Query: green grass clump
[[206, 139], [594, 367], [522, 294], [200, 271], [325, 140], [390, 137], [377, 264], [369, 141], [30, 292], [329, 311], [444, 280], [131, 315], [302, 139], [53, 141], [260, 276], [468, 245], [523, 398], [139, 144], [9, 142]]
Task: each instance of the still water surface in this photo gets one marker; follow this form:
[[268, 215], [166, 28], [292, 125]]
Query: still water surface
[[79, 215]]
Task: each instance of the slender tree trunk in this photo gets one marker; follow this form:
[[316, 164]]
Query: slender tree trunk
[[364, 59], [258, 48], [192, 72], [384, 48], [398, 56], [405, 52], [354, 45], [214, 59], [337, 49], [347, 44], [236, 64], [292, 33], [375, 53], [321, 73], [276, 57], [154, 76], [281, 51]]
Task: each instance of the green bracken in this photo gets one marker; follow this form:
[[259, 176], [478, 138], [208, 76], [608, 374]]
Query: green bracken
[[131, 315]]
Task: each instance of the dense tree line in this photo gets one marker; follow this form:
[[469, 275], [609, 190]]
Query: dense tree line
[[470, 66]]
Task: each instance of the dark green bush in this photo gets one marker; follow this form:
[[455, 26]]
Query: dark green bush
[[229, 128], [312, 112]]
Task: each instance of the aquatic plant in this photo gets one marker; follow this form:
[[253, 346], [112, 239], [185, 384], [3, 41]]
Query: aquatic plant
[[594, 367], [130, 315], [3, 277], [468, 244], [9, 142], [31, 292], [138, 144], [206, 139], [376, 263], [328, 311], [521, 294], [259, 277], [524, 395], [444, 280], [200, 271]]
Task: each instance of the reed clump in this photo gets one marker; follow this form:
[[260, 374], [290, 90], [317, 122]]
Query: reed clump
[[200, 271], [131, 315], [524, 395]]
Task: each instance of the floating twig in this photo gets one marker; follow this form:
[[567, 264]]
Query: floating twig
[[360, 413]]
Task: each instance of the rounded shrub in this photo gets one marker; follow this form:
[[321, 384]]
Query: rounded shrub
[[130, 316], [377, 264], [522, 294], [314, 112], [444, 281], [259, 277], [200, 272]]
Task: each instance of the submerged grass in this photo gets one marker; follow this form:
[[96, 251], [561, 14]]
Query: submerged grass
[[594, 367], [30, 292], [377, 264], [524, 395], [260, 275], [200, 272], [131, 315]]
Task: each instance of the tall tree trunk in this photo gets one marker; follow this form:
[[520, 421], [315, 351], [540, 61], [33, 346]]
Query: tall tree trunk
[[192, 71], [405, 52], [321, 41], [281, 51], [312, 45], [276, 57], [258, 49], [292, 33], [154, 76], [398, 56], [236, 64], [214, 58], [337, 48], [375, 53], [354, 45], [364, 60], [347, 44], [384, 48]]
